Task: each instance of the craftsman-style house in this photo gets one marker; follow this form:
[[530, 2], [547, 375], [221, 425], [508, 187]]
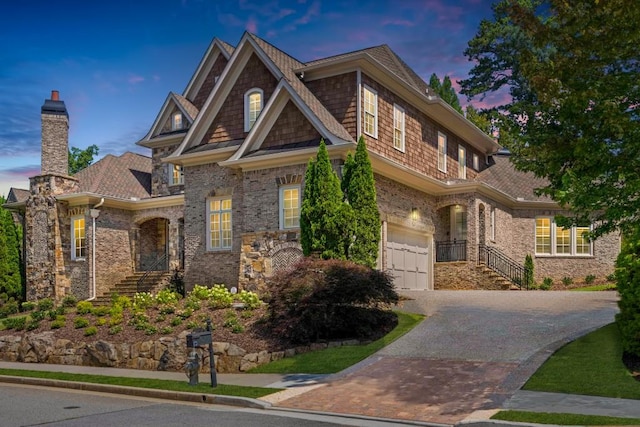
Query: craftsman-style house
[[220, 196]]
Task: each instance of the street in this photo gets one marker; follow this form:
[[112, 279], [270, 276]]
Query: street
[[29, 406]]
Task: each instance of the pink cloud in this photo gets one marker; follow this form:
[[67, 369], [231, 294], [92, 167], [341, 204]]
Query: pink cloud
[[135, 79], [398, 22], [251, 25], [313, 11]]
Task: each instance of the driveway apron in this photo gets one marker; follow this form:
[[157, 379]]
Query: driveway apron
[[474, 351]]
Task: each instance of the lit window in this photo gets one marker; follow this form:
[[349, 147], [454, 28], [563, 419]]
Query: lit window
[[370, 112], [462, 162], [219, 224], [79, 240], [252, 107], [290, 207], [177, 175], [442, 152], [567, 241], [398, 128], [176, 121], [476, 162]]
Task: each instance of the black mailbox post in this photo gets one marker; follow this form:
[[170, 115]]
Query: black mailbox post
[[201, 338]]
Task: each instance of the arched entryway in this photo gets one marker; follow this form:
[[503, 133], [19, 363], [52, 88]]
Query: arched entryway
[[153, 245], [451, 244]]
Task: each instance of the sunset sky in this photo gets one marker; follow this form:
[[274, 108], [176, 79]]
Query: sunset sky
[[114, 62]]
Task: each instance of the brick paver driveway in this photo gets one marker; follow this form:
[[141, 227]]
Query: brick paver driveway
[[475, 349]]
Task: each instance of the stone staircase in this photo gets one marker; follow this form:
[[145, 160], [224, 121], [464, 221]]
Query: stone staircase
[[493, 280], [129, 285]]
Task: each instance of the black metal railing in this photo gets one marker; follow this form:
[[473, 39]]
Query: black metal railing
[[159, 265], [503, 265], [451, 250]]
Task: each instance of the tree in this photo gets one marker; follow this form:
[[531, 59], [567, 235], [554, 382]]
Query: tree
[[11, 278], [572, 72], [628, 284], [80, 159], [359, 188], [324, 215], [445, 91]]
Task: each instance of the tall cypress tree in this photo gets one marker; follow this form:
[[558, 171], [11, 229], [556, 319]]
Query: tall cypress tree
[[10, 271], [323, 211], [359, 188]]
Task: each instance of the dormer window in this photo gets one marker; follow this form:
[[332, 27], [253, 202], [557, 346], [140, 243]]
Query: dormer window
[[253, 102], [176, 121]]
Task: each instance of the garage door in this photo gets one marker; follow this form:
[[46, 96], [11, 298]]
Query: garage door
[[409, 258]]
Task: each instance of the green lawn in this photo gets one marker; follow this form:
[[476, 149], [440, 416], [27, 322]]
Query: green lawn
[[603, 287], [335, 359], [204, 388], [564, 419], [591, 365]]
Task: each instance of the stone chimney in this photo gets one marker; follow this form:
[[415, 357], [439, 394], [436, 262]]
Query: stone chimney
[[55, 136]]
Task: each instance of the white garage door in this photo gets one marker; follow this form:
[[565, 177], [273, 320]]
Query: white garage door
[[409, 258]]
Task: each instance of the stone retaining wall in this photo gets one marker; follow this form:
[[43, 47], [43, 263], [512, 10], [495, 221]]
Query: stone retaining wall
[[165, 353]]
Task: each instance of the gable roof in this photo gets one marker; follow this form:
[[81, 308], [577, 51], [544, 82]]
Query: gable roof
[[17, 195], [127, 176], [504, 177], [188, 110]]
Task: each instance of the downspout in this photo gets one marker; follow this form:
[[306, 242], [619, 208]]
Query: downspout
[[94, 214]]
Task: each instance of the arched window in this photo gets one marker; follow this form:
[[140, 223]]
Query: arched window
[[253, 102]]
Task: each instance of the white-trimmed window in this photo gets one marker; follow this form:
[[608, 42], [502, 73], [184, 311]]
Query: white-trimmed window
[[219, 223], [370, 126], [476, 162], [79, 238], [552, 239], [462, 162], [442, 152], [176, 174], [176, 121], [398, 128], [253, 102], [290, 206]]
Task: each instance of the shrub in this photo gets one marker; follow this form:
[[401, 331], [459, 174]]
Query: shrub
[[176, 283], [33, 324], [150, 330], [167, 330], [45, 304], [17, 323], [116, 329], [250, 299], [80, 322], [547, 283], [38, 315], [193, 324], [52, 314], [589, 279], [8, 308], [192, 304], [28, 305], [628, 283], [176, 321], [200, 293], [219, 297], [101, 321], [100, 311], [91, 330], [528, 271], [69, 301], [611, 277], [167, 297], [58, 324], [84, 307], [121, 301], [567, 281], [116, 319], [143, 300], [330, 299]]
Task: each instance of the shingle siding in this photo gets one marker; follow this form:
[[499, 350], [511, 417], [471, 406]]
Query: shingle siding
[[339, 95], [209, 81]]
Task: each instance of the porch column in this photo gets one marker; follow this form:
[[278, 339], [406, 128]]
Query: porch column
[[173, 247], [134, 239]]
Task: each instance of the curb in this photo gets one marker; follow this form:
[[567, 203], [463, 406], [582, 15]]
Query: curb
[[244, 402]]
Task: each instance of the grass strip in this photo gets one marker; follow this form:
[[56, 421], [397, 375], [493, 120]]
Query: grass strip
[[564, 419], [335, 359], [603, 287], [171, 385], [591, 365]]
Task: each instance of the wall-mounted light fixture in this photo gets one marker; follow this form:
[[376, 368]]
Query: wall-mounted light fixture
[[414, 213]]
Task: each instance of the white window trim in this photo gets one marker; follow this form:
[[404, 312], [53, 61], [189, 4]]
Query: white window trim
[[281, 205], [399, 109], [247, 94], [462, 162], [553, 235], [73, 238], [476, 162], [208, 228], [174, 122], [442, 155], [172, 180], [373, 134]]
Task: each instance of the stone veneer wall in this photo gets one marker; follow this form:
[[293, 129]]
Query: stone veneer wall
[[165, 353], [463, 275], [160, 173]]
